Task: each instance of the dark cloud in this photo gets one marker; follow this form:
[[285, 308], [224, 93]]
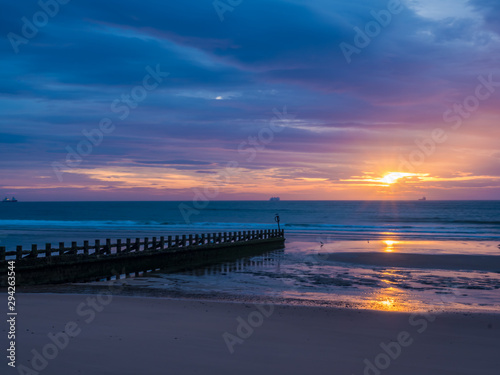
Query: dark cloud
[[227, 77]]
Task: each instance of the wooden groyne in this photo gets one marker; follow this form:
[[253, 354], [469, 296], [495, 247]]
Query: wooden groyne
[[76, 263]]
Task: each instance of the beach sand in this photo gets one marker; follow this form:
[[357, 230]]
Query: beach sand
[[131, 335]]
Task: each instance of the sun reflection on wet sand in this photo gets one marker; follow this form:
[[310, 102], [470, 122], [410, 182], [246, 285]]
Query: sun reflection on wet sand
[[389, 299], [389, 245]]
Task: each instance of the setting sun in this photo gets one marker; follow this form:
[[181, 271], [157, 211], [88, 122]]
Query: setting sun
[[393, 177]]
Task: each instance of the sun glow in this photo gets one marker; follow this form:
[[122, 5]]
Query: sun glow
[[390, 245], [393, 177]]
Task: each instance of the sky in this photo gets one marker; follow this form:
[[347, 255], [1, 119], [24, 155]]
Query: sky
[[238, 99]]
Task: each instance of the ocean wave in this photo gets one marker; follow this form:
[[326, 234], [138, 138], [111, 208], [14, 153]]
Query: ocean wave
[[441, 231], [440, 220]]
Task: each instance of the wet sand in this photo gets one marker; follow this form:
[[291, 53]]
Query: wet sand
[[132, 335], [490, 263]]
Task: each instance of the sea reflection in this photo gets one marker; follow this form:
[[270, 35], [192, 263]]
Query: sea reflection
[[388, 299], [390, 245]]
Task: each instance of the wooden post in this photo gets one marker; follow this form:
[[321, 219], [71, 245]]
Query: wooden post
[[19, 252], [190, 241], [128, 245], [239, 236], [108, 246], [97, 247], [208, 238], [73, 248], [253, 235], [214, 237], [48, 250], [203, 238], [61, 248], [2, 253], [169, 241], [183, 240], [225, 236], [176, 244], [86, 247], [146, 243], [118, 246], [154, 243], [197, 240], [34, 251], [220, 237], [162, 243], [137, 245]]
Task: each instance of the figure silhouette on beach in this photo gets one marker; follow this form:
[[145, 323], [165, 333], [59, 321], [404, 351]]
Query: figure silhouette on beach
[[277, 219]]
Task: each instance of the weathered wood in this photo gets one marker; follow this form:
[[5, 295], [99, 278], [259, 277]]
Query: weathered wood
[[48, 250], [19, 252], [85, 247], [169, 242], [104, 262], [162, 243], [34, 251]]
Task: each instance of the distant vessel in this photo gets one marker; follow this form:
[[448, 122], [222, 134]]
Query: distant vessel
[[274, 199], [9, 200], [423, 199]]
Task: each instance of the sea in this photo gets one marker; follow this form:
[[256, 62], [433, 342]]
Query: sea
[[381, 255]]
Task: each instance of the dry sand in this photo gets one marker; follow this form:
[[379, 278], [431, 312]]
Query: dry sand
[[128, 335]]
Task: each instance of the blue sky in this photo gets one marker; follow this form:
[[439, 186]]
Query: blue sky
[[349, 121]]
